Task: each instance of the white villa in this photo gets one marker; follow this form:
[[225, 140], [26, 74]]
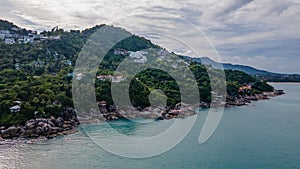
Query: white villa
[[79, 76], [15, 109], [2, 36], [117, 79], [120, 52], [10, 41], [113, 79], [32, 37], [138, 56]]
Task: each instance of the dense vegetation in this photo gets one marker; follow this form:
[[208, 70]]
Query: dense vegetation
[[40, 76], [262, 86]]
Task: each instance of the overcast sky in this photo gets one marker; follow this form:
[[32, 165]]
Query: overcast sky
[[260, 33]]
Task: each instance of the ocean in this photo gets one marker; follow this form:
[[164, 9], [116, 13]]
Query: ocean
[[264, 134]]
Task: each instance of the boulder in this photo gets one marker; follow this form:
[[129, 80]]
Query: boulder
[[77, 121], [52, 119], [41, 124], [30, 125], [160, 118], [55, 130], [39, 131], [51, 123], [59, 122], [45, 128], [67, 127], [68, 122], [14, 131], [5, 133], [168, 116], [28, 133], [69, 114]]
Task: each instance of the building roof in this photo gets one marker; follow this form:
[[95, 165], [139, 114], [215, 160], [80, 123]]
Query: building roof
[[16, 107]]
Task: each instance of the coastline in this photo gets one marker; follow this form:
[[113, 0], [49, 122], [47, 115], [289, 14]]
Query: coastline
[[181, 110], [47, 128], [41, 128], [245, 100]]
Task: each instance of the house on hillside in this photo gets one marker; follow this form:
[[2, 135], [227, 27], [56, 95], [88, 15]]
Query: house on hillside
[[54, 38], [113, 79], [27, 39], [139, 56], [2, 36], [117, 79], [20, 40], [10, 41], [120, 52], [15, 109], [79, 76], [18, 102], [248, 87], [4, 32], [104, 77], [15, 29], [68, 62], [102, 103]]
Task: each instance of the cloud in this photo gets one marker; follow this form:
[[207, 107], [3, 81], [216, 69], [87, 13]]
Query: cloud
[[221, 10]]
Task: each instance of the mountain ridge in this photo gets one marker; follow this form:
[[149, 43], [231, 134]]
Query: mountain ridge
[[263, 74]]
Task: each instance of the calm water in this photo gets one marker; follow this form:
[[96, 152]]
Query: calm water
[[265, 134]]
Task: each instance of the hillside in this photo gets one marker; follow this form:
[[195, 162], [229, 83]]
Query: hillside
[[6, 25], [260, 74], [36, 76]]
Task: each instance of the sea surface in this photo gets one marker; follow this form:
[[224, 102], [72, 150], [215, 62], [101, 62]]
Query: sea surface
[[264, 134]]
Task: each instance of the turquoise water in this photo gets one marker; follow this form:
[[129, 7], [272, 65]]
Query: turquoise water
[[265, 134]]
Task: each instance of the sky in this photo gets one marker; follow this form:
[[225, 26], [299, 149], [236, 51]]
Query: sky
[[260, 33]]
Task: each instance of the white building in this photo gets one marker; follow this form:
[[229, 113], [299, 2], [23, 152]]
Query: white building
[[120, 52], [104, 77], [28, 39], [17, 66], [15, 29], [2, 36], [18, 102], [138, 56], [8, 35], [10, 41], [15, 109], [54, 38], [20, 40], [79, 76], [4, 32], [68, 62], [117, 79]]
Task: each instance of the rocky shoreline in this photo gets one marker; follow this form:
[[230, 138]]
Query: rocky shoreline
[[45, 128], [181, 110], [42, 128], [245, 100], [105, 114]]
